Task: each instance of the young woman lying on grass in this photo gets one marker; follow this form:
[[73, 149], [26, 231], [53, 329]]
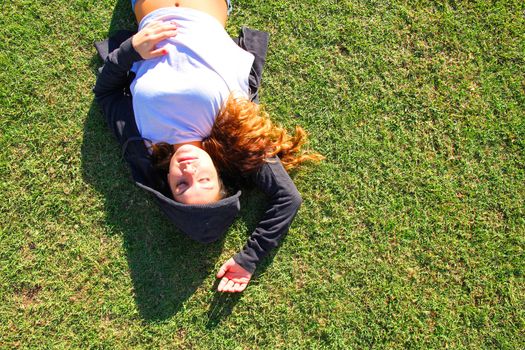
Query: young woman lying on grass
[[190, 100]]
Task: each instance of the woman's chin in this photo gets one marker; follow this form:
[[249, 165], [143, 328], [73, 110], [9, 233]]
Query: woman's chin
[[187, 152]]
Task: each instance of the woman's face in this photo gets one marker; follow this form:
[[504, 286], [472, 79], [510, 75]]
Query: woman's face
[[192, 176]]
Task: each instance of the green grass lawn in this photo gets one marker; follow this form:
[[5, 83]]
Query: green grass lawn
[[412, 231]]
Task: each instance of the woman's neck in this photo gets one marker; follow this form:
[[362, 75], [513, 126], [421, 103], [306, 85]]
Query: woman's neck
[[193, 143]]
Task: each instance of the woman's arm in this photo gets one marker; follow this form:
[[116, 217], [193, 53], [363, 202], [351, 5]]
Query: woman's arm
[[114, 76], [284, 202], [113, 80], [111, 84]]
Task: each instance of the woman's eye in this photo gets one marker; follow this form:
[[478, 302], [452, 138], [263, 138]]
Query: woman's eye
[[204, 179]]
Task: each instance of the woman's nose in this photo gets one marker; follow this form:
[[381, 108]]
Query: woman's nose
[[189, 168]]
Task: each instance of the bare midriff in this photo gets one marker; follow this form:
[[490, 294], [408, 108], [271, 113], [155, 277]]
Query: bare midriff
[[215, 8]]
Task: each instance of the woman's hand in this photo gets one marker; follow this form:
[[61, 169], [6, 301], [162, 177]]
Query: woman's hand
[[145, 41], [234, 277]]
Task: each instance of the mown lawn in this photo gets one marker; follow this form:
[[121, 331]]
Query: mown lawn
[[412, 231]]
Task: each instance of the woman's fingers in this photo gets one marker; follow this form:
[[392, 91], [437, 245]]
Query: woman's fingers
[[156, 27], [145, 41], [155, 38], [229, 286], [155, 24], [223, 282], [226, 285], [164, 28], [239, 287], [161, 31], [158, 52]]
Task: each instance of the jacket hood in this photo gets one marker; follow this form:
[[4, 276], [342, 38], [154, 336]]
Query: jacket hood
[[204, 223]]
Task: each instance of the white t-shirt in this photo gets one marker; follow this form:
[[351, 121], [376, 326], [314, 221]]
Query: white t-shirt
[[177, 97]]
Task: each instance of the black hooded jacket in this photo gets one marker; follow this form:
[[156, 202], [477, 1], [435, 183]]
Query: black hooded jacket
[[113, 96]]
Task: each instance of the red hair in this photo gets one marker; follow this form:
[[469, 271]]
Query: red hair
[[242, 138]]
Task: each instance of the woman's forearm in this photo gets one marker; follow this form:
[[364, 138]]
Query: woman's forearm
[[114, 75], [110, 88], [284, 202]]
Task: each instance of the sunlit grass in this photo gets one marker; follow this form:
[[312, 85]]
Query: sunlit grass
[[412, 230]]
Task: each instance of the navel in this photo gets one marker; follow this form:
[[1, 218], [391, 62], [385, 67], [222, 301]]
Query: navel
[[177, 4]]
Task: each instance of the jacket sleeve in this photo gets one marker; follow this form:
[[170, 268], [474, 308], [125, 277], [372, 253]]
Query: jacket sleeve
[[284, 202], [112, 94], [111, 86]]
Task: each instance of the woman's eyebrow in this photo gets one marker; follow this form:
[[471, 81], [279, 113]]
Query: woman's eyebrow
[[209, 188]]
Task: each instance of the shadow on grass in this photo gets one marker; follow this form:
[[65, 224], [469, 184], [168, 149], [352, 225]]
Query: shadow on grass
[[166, 266]]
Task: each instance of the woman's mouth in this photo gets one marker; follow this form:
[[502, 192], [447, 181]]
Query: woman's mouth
[[185, 159]]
